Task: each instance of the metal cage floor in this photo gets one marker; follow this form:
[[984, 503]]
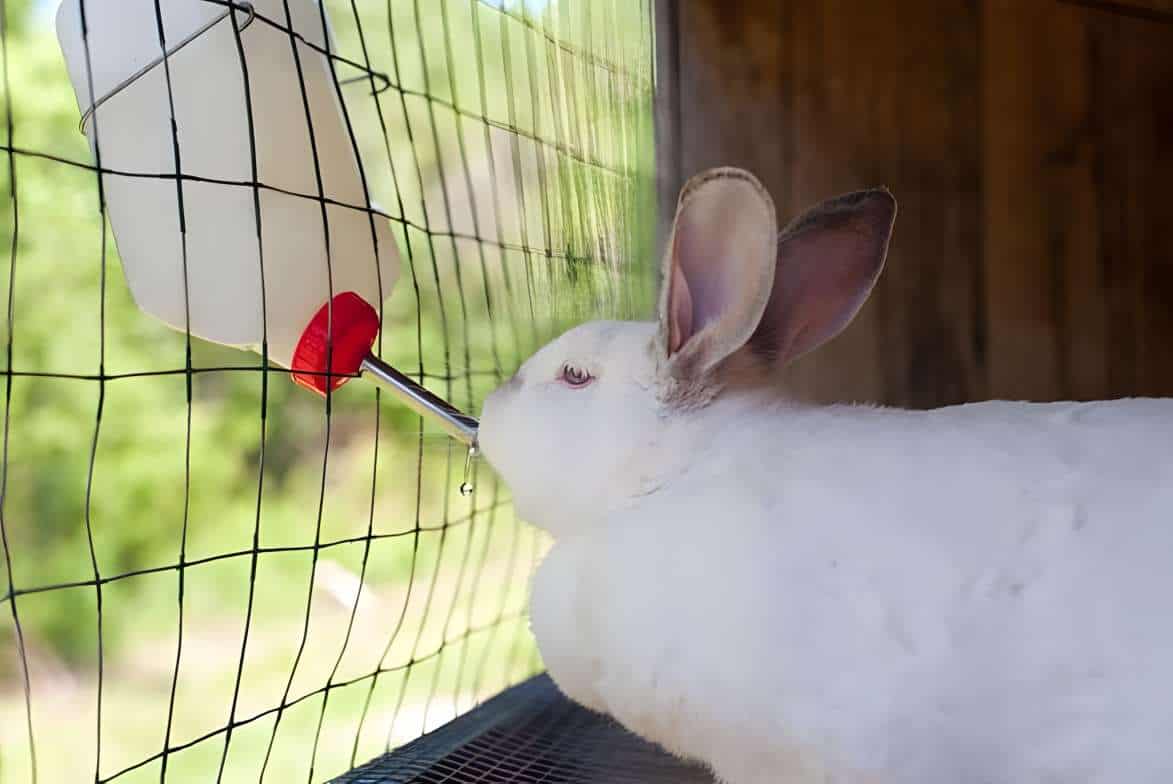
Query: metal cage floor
[[530, 733]]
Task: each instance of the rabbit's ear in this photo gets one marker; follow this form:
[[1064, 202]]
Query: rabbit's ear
[[828, 261], [718, 270]]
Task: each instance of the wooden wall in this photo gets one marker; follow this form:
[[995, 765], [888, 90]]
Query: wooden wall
[[1029, 144]]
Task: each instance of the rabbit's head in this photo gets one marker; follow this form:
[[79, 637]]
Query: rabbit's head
[[587, 423]]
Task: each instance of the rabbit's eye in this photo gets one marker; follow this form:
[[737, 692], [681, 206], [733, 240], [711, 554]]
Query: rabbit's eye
[[574, 376]]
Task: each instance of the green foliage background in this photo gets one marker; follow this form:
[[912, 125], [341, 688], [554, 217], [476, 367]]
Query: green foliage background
[[442, 577]]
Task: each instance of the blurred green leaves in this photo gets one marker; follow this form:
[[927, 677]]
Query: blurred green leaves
[[523, 204]]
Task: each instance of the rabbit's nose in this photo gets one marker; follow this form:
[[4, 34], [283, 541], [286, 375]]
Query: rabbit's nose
[[512, 384], [498, 396], [491, 423], [495, 398]]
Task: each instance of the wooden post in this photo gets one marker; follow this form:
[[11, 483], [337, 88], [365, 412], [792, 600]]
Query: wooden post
[[669, 175]]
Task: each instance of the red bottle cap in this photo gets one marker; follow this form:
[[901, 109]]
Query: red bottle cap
[[354, 325]]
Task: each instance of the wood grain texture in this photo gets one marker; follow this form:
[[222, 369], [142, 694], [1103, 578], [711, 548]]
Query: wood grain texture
[[1133, 121], [1151, 10], [1028, 143], [1037, 194], [1076, 161]]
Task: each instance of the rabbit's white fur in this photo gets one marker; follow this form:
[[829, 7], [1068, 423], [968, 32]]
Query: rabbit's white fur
[[980, 594]]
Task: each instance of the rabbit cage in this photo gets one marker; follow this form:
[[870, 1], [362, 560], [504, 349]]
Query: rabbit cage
[[210, 574]]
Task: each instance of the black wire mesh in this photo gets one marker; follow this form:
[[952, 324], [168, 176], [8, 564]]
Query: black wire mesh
[[208, 574], [529, 734]]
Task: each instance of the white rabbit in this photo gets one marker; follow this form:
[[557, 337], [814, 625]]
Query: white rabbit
[[980, 594]]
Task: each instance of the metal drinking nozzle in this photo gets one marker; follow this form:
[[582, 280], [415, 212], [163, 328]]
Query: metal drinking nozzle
[[336, 346]]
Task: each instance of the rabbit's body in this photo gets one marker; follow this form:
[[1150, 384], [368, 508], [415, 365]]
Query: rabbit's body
[[980, 594], [791, 600]]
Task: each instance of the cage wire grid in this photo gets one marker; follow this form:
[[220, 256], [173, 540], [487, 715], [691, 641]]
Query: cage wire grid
[[529, 734], [513, 141]]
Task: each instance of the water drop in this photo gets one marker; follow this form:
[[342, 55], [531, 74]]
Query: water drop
[[466, 487]]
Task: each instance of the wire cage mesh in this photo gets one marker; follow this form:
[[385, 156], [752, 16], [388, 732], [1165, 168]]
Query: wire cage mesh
[[209, 574], [529, 734]]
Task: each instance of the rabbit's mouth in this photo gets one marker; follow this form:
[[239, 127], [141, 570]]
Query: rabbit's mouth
[[502, 441]]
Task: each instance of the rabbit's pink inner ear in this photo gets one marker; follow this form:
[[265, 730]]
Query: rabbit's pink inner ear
[[718, 268], [828, 262], [679, 311], [703, 261]]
